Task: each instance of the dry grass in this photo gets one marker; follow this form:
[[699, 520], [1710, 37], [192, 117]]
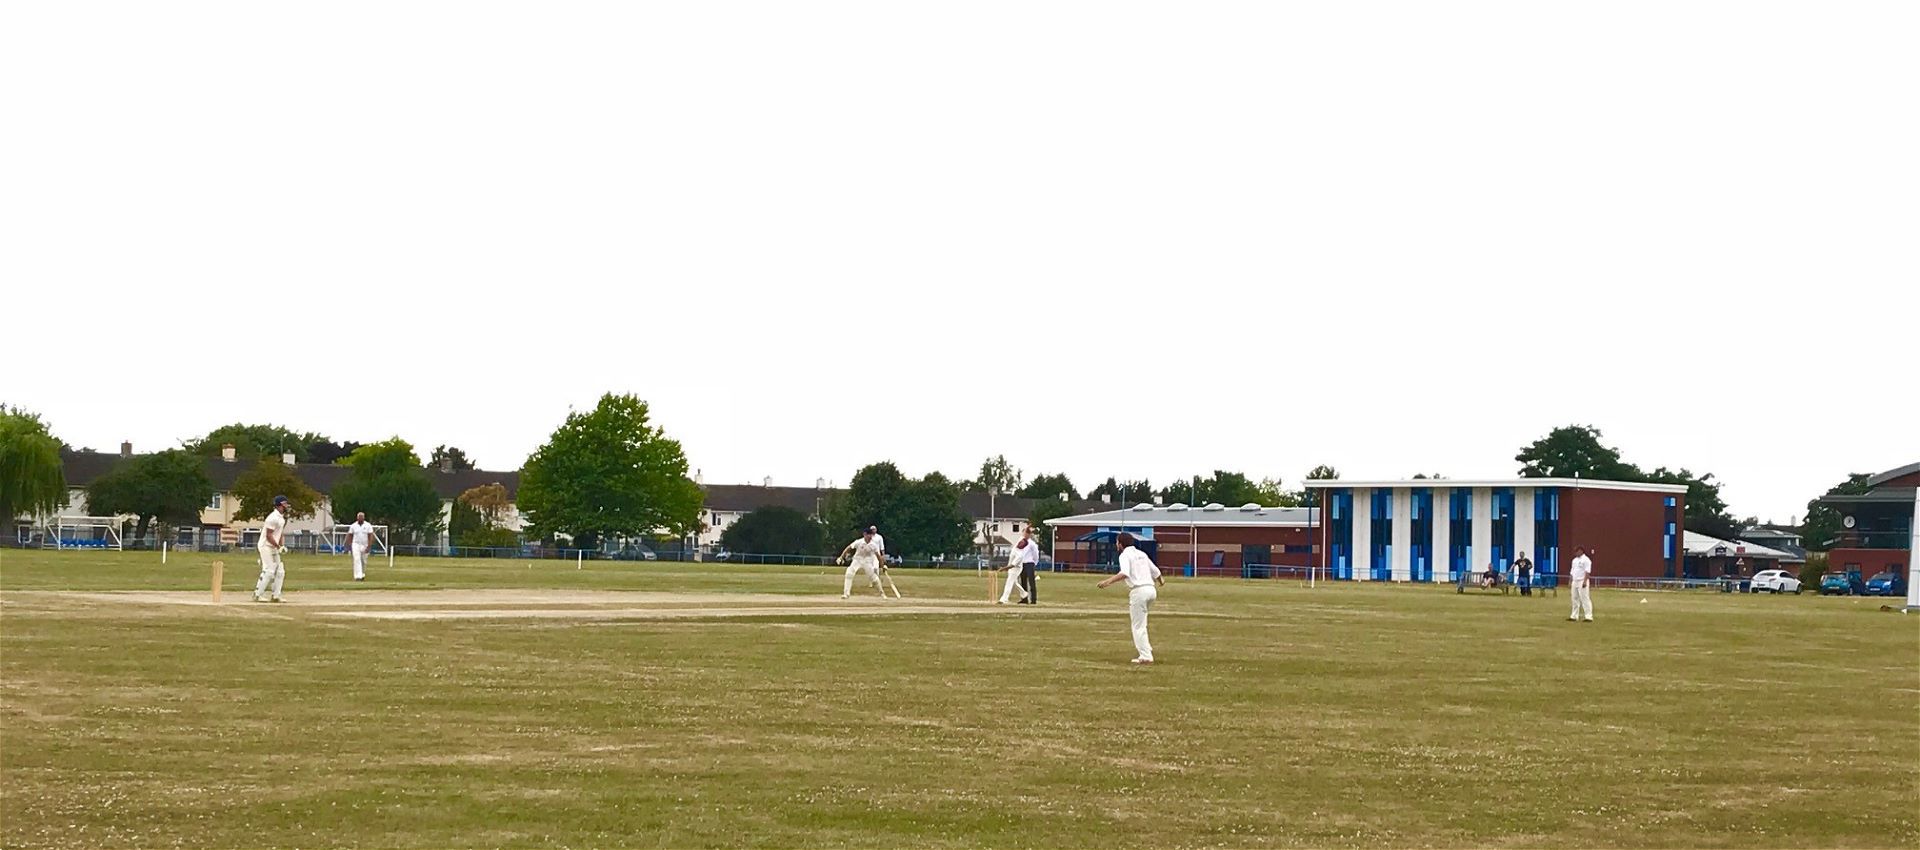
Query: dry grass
[[1343, 716]]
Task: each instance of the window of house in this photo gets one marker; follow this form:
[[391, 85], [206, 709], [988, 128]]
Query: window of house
[[215, 503]]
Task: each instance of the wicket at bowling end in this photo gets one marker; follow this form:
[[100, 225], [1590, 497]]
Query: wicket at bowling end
[[219, 567]]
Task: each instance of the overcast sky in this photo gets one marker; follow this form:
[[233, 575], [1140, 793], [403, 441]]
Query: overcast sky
[[1105, 238]]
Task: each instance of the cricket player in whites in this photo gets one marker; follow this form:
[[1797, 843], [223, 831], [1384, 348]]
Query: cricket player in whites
[[866, 554], [361, 533], [1142, 577], [885, 579], [273, 543]]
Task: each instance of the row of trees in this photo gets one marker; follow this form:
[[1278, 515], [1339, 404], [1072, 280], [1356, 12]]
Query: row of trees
[[1572, 450]]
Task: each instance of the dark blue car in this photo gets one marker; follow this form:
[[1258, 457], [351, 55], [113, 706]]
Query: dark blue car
[[1886, 584]]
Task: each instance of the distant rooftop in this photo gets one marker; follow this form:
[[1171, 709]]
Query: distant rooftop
[[1214, 515], [1569, 483]]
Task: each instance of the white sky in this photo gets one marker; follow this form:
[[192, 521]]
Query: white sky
[[1138, 239]]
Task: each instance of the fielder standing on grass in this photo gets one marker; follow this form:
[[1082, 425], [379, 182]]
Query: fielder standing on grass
[[866, 554], [1580, 581], [272, 545], [1142, 577], [885, 576], [361, 532]]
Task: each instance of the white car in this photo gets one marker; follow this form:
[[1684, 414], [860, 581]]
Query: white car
[[1777, 581]]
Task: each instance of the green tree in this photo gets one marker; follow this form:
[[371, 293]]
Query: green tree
[[870, 499], [1048, 487], [478, 518], [252, 441], [169, 487], [1123, 493], [33, 479], [1308, 497], [775, 530], [998, 475], [255, 488], [1231, 489], [323, 450], [918, 518], [608, 472], [456, 458], [1822, 524], [1572, 450], [1043, 510], [387, 482]]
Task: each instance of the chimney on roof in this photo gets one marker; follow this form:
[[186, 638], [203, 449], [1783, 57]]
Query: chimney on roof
[[767, 481], [1106, 498], [699, 478], [446, 464], [286, 458], [819, 483], [126, 449], [226, 452]]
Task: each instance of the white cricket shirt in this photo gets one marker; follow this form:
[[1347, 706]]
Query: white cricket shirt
[[1580, 569], [867, 549], [1138, 568], [361, 532], [277, 523], [1029, 554]]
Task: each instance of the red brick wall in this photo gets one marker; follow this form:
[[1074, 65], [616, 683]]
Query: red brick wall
[[1622, 530], [1870, 561], [1176, 546]]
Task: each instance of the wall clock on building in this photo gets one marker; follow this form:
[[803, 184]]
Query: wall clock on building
[[1847, 520]]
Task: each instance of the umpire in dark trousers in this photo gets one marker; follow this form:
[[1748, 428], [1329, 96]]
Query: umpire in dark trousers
[[1524, 566], [1026, 553]]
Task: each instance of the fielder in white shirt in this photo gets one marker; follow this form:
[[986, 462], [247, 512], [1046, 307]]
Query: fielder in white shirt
[[362, 534], [273, 543], [1580, 581], [1142, 577], [885, 576], [866, 554], [1025, 552]]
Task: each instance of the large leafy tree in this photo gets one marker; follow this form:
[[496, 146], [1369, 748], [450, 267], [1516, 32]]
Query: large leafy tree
[[998, 475], [774, 530], [1048, 487], [1224, 487], [32, 478], [1043, 510], [253, 441], [918, 518], [608, 471], [169, 487], [1822, 525], [479, 517], [1575, 450], [254, 489], [450, 456], [388, 483], [320, 449]]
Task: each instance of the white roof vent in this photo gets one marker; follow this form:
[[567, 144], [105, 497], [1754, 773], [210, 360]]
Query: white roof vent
[[1250, 506], [1177, 506], [1143, 506], [1214, 506]]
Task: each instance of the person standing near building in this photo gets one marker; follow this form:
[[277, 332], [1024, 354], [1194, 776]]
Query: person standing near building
[[866, 554], [1142, 578], [273, 544], [1018, 562], [1580, 581], [361, 533], [1524, 567], [1028, 551]]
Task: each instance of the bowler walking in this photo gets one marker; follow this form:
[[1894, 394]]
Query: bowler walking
[[1142, 577], [361, 533], [1580, 580]]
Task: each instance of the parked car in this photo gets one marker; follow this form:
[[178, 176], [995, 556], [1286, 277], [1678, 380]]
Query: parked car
[[1775, 581], [631, 552], [1886, 584], [1842, 584]]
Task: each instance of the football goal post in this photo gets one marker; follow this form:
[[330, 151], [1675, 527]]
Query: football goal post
[[339, 537], [86, 532]]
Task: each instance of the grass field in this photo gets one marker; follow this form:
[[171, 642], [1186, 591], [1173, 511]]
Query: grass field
[[577, 714]]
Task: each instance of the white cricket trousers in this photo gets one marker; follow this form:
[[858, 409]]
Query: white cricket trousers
[[272, 573], [1139, 600], [1582, 602], [872, 568], [359, 561], [1013, 584]]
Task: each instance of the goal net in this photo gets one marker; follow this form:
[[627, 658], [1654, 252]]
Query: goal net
[[85, 532], [338, 538]]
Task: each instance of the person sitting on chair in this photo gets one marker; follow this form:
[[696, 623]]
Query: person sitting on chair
[[1493, 577]]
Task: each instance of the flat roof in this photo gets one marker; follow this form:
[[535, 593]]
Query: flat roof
[[1569, 483], [1703, 545], [1205, 516]]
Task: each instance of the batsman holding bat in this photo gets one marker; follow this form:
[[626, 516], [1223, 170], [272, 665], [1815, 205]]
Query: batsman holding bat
[[273, 543], [886, 573], [865, 554]]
